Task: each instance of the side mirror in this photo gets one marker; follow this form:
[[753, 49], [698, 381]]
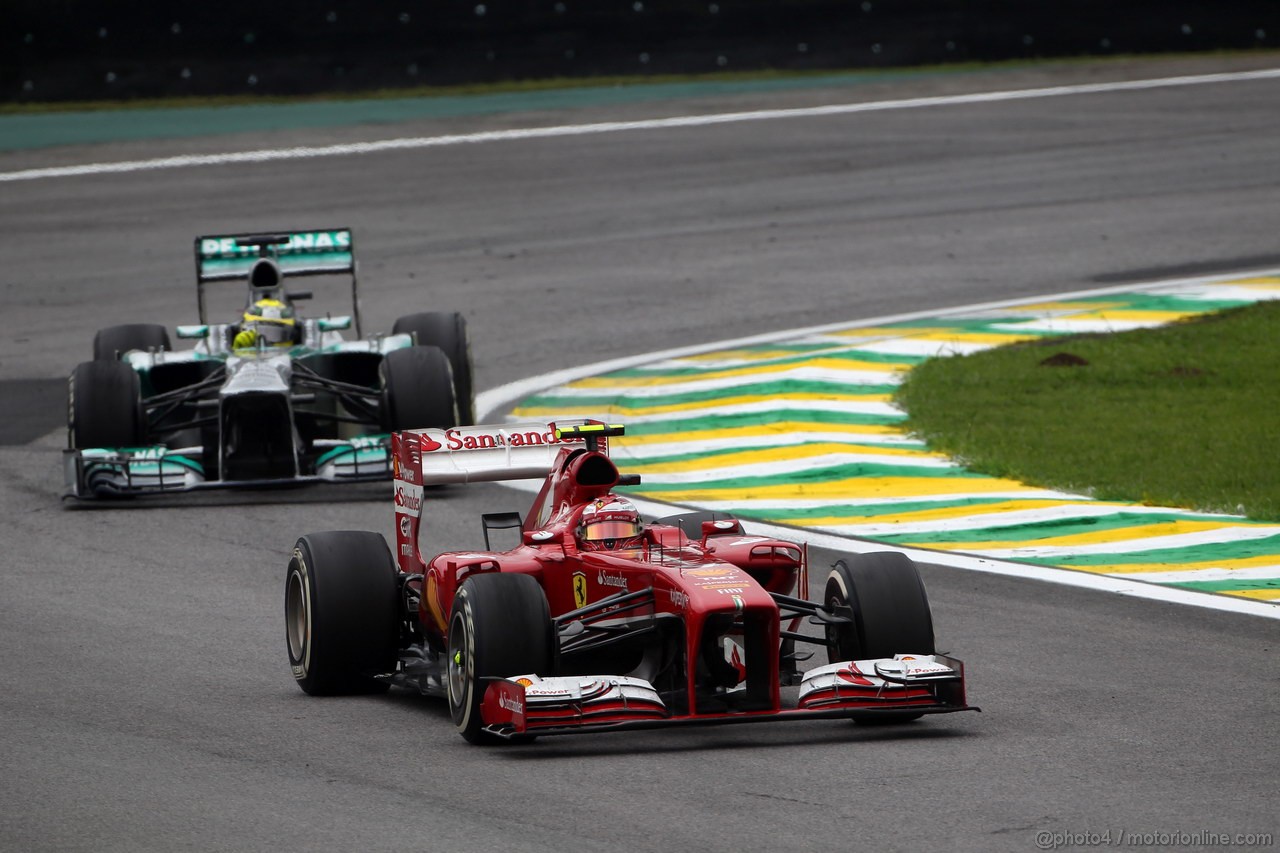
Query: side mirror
[[537, 537], [720, 527], [334, 324], [192, 332]]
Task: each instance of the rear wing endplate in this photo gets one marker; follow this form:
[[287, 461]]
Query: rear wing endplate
[[230, 257]]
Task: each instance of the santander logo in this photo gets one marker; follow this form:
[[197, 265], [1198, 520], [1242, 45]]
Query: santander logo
[[488, 438], [408, 496]]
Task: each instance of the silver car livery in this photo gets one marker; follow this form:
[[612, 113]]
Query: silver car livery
[[273, 397]]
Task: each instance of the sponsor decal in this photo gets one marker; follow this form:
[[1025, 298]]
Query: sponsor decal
[[311, 241], [710, 573], [926, 669], [678, 598], [609, 505], [546, 692], [395, 469], [513, 705], [579, 589], [406, 526], [470, 438], [524, 682], [614, 579], [735, 591], [406, 550], [408, 496]]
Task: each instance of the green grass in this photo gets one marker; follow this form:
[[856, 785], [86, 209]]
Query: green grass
[[1186, 415]]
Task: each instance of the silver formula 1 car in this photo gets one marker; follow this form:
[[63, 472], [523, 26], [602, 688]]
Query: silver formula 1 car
[[275, 397]]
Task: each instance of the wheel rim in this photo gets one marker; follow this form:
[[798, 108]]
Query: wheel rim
[[836, 596], [459, 664], [297, 616], [833, 635]]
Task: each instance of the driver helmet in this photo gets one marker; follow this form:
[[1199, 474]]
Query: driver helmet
[[610, 523], [268, 320]]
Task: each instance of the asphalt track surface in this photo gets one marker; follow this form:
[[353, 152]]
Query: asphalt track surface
[[146, 703]]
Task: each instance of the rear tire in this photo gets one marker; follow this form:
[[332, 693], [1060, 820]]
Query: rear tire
[[448, 331], [114, 341], [104, 406], [500, 626], [341, 627], [890, 609], [417, 389]]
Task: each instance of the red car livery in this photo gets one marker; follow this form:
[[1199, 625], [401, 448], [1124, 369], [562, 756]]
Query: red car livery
[[596, 620]]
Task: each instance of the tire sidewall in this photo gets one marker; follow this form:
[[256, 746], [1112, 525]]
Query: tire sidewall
[[843, 641], [299, 578], [341, 625], [464, 703]]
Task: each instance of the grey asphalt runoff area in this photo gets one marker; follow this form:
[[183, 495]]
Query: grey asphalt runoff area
[[146, 701]]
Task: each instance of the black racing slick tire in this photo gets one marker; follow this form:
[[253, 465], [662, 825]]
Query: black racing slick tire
[[341, 627], [447, 330], [891, 612], [417, 389], [111, 343], [104, 406], [500, 625]]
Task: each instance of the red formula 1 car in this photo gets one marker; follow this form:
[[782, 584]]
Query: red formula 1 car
[[596, 621]]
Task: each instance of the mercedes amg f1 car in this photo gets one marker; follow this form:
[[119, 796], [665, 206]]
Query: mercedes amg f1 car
[[596, 621], [272, 398]]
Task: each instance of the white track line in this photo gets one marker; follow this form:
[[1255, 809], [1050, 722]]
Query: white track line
[[493, 403], [410, 143]]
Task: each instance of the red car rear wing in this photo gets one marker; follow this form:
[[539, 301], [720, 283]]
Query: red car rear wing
[[475, 454], [488, 452]]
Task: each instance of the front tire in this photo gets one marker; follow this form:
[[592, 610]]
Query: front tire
[[891, 616], [500, 626], [111, 343], [104, 406], [341, 628], [448, 331], [417, 389], [891, 612]]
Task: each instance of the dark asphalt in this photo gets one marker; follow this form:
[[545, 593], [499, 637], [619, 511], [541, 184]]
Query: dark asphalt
[[146, 703]]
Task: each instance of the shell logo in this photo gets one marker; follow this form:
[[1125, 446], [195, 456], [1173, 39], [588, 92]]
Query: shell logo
[[524, 682]]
